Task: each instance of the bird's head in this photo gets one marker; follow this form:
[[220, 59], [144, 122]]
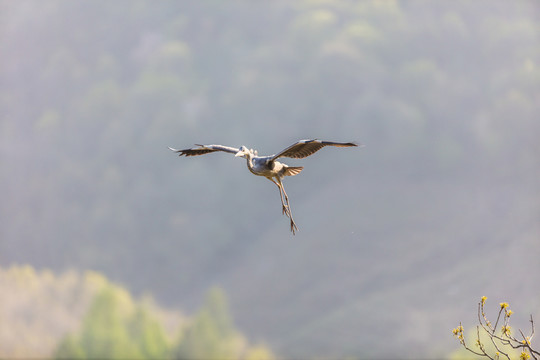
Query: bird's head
[[243, 152]]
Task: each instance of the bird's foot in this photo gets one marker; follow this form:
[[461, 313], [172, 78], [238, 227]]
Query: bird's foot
[[293, 227]]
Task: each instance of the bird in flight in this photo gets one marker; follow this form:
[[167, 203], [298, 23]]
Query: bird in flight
[[268, 166]]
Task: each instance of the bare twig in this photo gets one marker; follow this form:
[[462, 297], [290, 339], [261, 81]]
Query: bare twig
[[497, 322], [505, 339]]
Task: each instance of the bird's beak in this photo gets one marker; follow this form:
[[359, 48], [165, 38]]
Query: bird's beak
[[238, 154]]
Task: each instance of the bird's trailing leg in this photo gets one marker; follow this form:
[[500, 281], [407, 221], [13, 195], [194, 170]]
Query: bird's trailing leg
[[282, 189], [285, 208]]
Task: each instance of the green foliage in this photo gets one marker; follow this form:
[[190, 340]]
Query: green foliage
[[211, 335], [117, 328], [69, 348], [259, 353], [104, 332], [148, 334], [113, 329], [218, 309], [43, 306]]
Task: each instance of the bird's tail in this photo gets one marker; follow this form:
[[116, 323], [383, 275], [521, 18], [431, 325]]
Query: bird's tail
[[293, 170]]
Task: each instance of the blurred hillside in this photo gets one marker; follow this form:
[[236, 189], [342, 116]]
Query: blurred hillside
[[39, 308], [84, 316], [396, 240]]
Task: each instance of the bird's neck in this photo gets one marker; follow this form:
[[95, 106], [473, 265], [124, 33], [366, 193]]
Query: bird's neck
[[249, 159]]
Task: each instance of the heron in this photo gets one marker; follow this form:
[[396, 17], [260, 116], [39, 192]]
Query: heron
[[268, 166]]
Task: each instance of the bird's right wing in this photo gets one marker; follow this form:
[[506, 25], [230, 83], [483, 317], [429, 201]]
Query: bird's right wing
[[205, 149], [304, 148]]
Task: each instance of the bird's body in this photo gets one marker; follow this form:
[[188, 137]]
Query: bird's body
[[268, 166], [262, 166], [265, 166]]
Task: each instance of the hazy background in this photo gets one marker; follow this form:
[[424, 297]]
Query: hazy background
[[397, 241]]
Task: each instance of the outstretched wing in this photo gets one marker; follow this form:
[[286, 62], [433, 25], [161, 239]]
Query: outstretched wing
[[205, 149], [304, 148]]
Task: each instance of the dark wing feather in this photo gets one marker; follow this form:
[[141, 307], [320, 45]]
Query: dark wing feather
[[205, 149], [304, 148]]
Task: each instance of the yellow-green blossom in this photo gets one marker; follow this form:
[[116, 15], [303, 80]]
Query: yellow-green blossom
[[504, 305], [458, 332]]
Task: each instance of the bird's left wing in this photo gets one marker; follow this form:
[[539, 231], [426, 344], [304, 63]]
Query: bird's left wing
[[304, 148], [205, 149]]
